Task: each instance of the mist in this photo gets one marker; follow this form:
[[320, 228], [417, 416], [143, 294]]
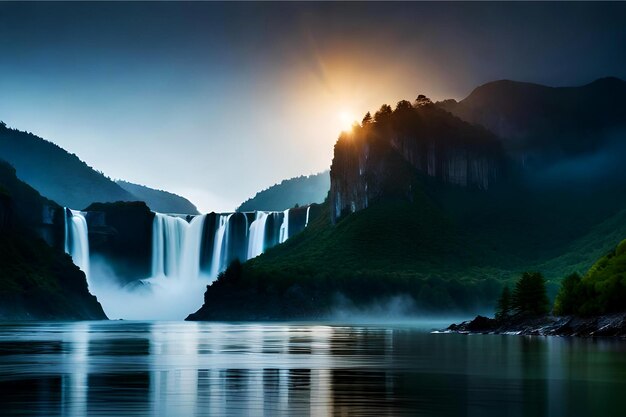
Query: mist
[[156, 298]]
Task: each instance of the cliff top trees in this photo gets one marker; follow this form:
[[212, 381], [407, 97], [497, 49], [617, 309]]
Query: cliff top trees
[[404, 105], [367, 119], [422, 100], [383, 114], [530, 296]]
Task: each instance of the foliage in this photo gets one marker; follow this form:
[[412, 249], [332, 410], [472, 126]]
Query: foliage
[[504, 307], [63, 177], [601, 291], [383, 114], [530, 296], [300, 191], [36, 280], [159, 200]]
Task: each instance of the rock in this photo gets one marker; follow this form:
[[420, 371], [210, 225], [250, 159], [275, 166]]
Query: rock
[[612, 325], [481, 324], [382, 159]]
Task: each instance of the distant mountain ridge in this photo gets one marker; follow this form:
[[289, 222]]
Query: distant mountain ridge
[[536, 119], [159, 200], [301, 190], [61, 176]]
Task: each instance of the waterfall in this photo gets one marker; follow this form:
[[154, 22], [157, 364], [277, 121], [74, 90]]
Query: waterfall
[[218, 246], [168, 234], [308, 211], [180, 270], [77, 239], [284, 228], [190, 267], [256, 241]]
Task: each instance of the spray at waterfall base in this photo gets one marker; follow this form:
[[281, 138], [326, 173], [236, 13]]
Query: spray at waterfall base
[[187, 253]]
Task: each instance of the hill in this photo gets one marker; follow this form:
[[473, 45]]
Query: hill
[[300, 191], [64, 178], [428, 213], [542, 123], [38, 281], [159, 200]]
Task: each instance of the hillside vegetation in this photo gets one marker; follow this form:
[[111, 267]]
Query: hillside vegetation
[[37, 281], [64, 178], [301, 191], [159, 200]]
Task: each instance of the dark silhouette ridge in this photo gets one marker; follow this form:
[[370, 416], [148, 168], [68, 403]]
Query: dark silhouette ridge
[[542, 123], [37, 281], [64, 178]]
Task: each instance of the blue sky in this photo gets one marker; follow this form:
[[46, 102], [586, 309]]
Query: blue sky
[[216, 101]]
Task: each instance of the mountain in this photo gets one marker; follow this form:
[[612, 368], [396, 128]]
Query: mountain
[[64, 178], [299, 191], [427, 214], [37, 281], [542, 123], [159, 200], [379, 159]]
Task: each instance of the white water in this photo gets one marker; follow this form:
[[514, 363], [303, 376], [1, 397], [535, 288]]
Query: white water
[[218, 244], [308, 211], [256, 243], [284, 228], [177, 282], [77, 240], [176, 246]]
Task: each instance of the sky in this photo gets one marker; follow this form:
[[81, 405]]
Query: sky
[[216, 101]]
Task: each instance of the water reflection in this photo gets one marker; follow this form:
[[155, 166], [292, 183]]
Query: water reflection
[[197, 369]]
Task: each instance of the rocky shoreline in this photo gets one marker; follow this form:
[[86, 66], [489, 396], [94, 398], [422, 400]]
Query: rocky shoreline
[[613, 325]]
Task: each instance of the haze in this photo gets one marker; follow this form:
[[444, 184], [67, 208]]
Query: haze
[[216, 101]]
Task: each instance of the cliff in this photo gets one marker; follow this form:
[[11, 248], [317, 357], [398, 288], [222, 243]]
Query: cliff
[[383, 156], [122, 233], [37, 281]]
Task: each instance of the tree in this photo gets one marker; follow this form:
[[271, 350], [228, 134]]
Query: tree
[[367, 119], [569, 299], [422, 100], [503, 309], [383, 113], [404, 105], [3, 125], [530, 296]]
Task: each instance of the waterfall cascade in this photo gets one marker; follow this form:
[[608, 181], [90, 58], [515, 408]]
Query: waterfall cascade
[[77, 239], [177, 243], [187, 253]]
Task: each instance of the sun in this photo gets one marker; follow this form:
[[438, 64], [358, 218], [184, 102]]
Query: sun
[[346, 120]]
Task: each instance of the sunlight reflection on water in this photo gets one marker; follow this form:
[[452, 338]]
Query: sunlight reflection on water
[[288, 369]]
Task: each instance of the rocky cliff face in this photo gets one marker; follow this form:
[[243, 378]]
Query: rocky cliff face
[[122, 233], [384, 156], [37, 279]]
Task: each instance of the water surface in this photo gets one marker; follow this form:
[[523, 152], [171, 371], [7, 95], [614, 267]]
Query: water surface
[[212, 369]]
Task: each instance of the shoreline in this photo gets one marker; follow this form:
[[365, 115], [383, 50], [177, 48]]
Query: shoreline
[[609, 325]]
